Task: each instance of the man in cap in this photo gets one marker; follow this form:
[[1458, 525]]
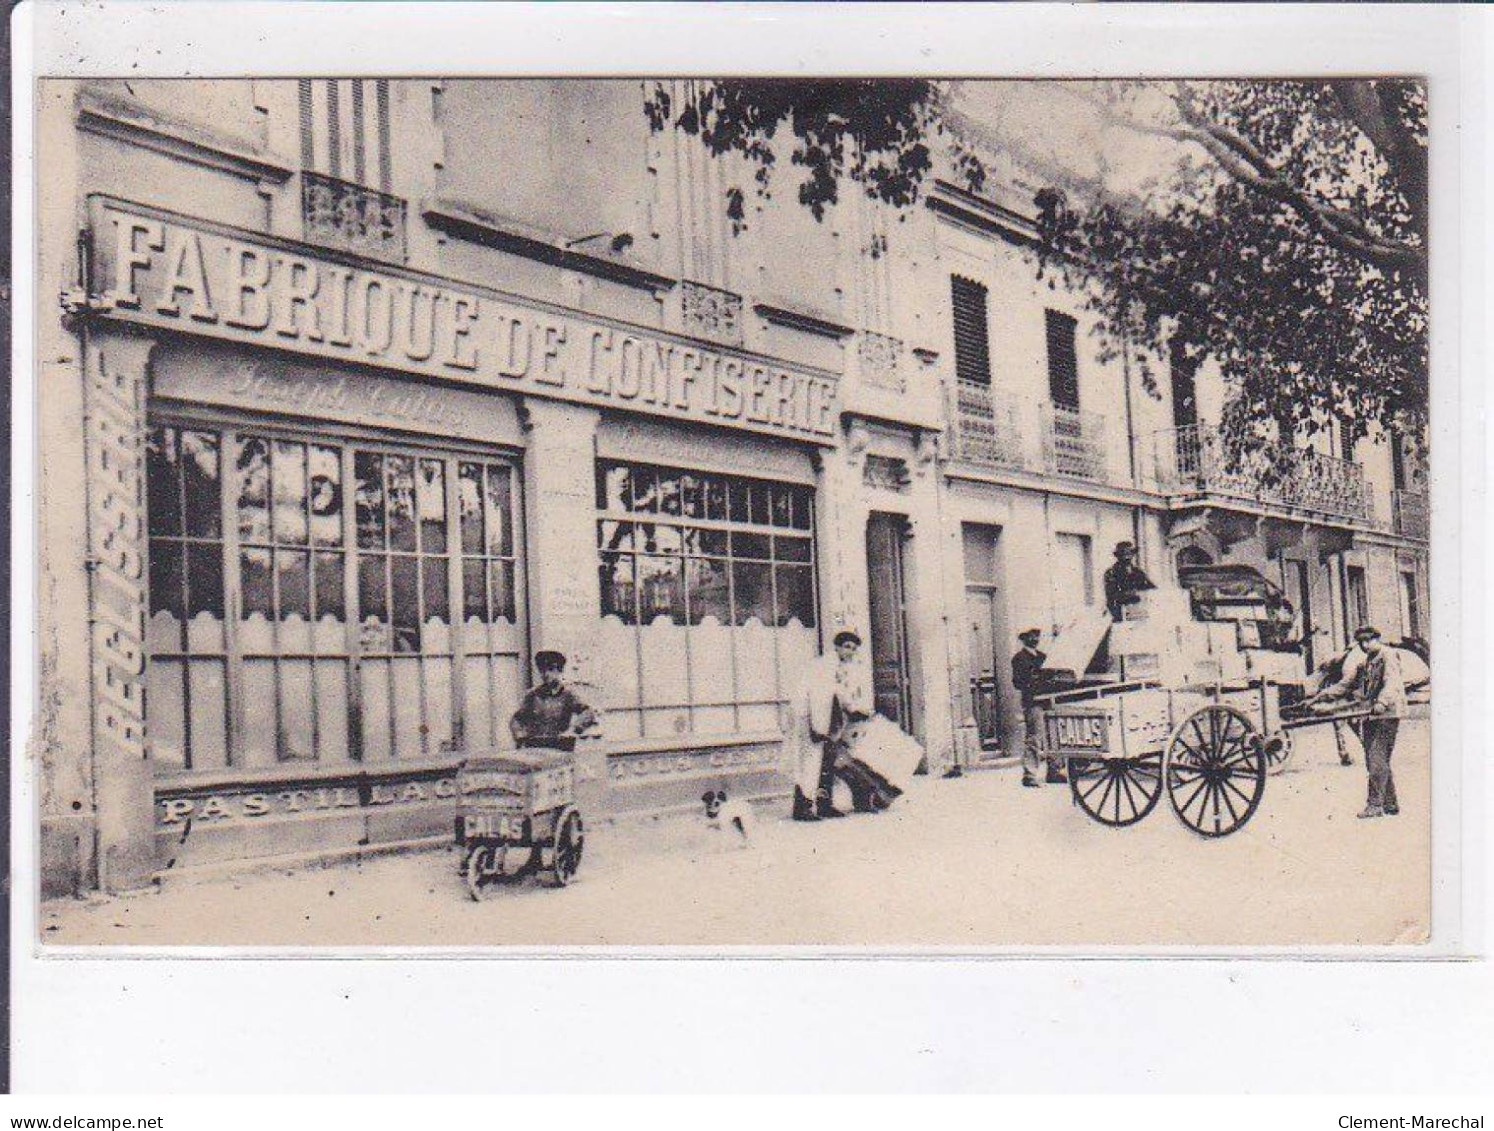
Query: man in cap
[[1031, 681], [835, 693], [1381, 687], [1125, 581], [551, 714]]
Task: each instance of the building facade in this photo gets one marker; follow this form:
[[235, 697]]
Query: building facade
[[360, 392]]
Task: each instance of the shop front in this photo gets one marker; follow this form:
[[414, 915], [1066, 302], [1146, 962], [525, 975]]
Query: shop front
[[335, 509]]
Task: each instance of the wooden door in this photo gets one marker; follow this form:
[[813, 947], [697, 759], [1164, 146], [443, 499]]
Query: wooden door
[[886, 536]]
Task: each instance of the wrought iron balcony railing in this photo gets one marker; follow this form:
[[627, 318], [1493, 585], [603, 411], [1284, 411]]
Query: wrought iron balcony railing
[[352, 217], [1412, 514], [1073, 442], [983, 426], [1192, 460], [711, 312]]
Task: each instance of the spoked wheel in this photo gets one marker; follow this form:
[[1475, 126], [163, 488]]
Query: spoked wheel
[[566, 847], [1216, 770], [1116, 791], [484, 869]]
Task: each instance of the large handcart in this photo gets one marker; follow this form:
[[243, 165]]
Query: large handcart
[[516, 816]]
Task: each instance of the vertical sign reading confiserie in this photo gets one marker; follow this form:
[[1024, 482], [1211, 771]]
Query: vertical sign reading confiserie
[[164, 271]]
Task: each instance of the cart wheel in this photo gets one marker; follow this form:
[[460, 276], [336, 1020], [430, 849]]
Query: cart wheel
[[1116, 791], [1278, 750], [566, 846], [1216, 770], [484, 868]]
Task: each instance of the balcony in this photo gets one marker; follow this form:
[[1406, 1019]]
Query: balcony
[[1412, 514], [351, 217], [1191, 460], [1073, 443], [983, 427]]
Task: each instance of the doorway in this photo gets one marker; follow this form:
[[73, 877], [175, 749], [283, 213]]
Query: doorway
[[886, 550], [1300, 594], [982, 613]]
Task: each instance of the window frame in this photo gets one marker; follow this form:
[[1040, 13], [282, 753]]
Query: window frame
[[231, 426], [669, 513]]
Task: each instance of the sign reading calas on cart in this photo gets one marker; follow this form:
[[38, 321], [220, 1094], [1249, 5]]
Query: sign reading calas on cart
[[162, 270]]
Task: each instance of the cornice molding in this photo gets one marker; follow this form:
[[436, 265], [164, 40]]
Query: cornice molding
[[133, 125], [488, 229], [981, 213], [799, 320]]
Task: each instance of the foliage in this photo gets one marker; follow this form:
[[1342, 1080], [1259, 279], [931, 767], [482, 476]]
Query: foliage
[[1286, 239]]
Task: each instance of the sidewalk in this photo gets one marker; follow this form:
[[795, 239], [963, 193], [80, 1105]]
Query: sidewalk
[[971, 862]]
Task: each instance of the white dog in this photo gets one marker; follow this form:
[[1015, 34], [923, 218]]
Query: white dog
[[733, 817]]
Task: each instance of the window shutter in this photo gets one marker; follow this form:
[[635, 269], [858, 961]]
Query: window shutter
[[971, 331], [1063, 361], [1184, 387]]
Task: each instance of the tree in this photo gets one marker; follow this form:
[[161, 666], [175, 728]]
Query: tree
[[1283, 235]]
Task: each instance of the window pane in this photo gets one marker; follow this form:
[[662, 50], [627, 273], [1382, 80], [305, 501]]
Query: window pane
[[372, 594], [715, 498], [654, 538], [368, 469], [331, 590], [709, 543], [431, 499], [792, 549], [739, 499], [643, 496], [615, 535], [290, 492], [617, 587], [475, 592], [400, 484], [752, 592], [469, 503], [761, 509], [253, 465], [404, 591], [254, 584], [437, 589], [709, 590], [205, 581], [166, 579], [803, 502], [613, 492], [202, 482], [750, 545], [161, 471], [501, 574], [669, 491], [295, 583], [661, 590], [692, 496], [795, 595], [782, 509], [499, 511], [326, 496]]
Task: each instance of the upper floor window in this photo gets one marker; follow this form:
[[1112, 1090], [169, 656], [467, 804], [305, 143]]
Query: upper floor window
[[1063, 360], [972, 335]]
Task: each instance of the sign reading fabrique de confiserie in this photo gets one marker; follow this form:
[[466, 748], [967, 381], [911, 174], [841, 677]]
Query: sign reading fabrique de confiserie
[[170, 272]]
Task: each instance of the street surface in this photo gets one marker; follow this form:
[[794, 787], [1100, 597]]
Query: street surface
[[966, 863]]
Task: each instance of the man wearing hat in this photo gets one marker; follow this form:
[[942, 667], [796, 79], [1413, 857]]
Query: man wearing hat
[[550, 715], [1125, 580], [1381, 687], [1031, 681]]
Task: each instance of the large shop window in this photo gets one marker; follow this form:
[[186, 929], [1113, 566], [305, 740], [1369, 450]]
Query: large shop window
[[319, 600], [708, 599]]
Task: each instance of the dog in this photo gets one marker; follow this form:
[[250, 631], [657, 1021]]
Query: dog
[[726, 816]]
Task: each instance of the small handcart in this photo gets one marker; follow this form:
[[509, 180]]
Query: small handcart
[[516, 816]]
